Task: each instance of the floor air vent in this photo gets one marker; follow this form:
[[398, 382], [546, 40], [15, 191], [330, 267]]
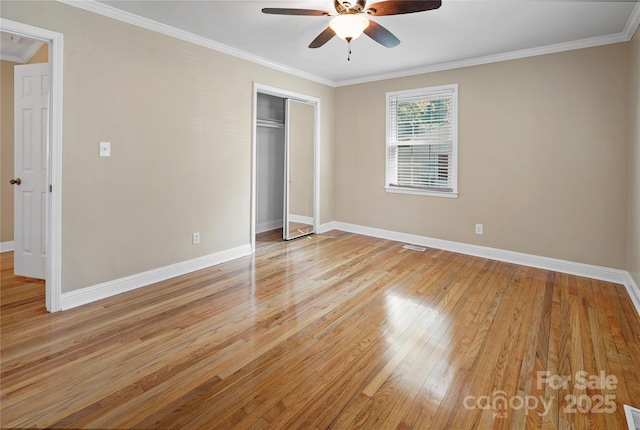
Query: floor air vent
[[414, 248], [633, 417]]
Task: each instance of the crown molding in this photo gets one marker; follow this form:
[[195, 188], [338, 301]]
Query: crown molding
[[33, 48], [11, 58], [100, 8], [514, 55], [627, 33], [167, 30], [632, 23]]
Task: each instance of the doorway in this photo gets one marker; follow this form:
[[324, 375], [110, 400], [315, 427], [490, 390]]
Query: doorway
[[285, 166], [52, 160]]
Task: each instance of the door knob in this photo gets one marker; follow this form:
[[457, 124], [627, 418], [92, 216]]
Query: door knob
[[17, 181]]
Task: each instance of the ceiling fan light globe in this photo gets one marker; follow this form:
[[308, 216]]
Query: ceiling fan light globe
[[349, 26]]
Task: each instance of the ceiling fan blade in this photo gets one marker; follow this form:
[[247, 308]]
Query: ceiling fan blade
[[339, 7], [285, 11], [381, 35], [322, 38], [397, 7]]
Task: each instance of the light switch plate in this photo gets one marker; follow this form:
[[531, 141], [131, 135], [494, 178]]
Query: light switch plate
[[105, 149]]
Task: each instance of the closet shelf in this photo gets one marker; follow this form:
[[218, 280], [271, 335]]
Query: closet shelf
[[272, 123]]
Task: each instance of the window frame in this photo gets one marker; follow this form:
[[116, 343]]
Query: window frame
[[453, 173]]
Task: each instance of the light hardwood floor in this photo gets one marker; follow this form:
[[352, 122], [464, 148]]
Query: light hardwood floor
[[333, 331], [272, 237], [269, 238]]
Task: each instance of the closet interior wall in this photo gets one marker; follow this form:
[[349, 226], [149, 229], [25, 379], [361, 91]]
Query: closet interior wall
[[270, 159]]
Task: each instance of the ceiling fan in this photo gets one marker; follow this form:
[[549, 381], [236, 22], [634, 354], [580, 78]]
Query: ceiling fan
[[351, 19]]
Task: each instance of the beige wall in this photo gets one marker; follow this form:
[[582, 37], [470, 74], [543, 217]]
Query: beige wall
[[6, 150], [6, 142], [178, 117], [634, 157], [543, 146], [41, 55]]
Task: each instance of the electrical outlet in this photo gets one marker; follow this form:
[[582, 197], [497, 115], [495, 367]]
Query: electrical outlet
[[195, 238], [479, 229]]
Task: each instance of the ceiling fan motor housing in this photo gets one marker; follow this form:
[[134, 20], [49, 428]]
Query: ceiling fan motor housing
[[353, 12], [347, 7]]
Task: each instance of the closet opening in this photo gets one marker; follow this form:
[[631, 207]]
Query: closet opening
[[270, 165], [284, 166]]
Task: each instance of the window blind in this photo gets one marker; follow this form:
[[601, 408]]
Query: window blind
[[421, 138]]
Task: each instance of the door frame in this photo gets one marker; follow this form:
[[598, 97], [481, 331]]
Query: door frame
[[55, 40], [315, 101]]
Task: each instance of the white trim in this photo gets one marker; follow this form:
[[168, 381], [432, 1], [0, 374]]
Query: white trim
[[514, 55], [268, 225], [254, 169], [287, 168], [54, 155], [266, 89], [323, 228], [632, 23], [167, 30], [419, 192], [634, 291], [629, 412], [6, 246], [111, 288], [26, 56], [278, 92], [390, 140], [130, 18], [301, 219], [12, 59], [31, 51], [579, 269]]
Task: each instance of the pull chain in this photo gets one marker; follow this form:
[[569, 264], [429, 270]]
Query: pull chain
[[348, 39]]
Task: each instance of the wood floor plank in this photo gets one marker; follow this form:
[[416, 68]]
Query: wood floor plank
[[614, 366], [550, 419], [329, 331], [426, 408]]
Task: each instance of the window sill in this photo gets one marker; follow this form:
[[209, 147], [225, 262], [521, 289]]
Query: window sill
[[446, 194]]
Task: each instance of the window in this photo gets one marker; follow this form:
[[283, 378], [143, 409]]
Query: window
[[422, 141]]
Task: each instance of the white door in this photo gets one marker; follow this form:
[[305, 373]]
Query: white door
[[31, 102]]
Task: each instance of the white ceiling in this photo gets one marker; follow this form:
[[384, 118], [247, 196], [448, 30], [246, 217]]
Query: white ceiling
[[460, 31], [17, 49]]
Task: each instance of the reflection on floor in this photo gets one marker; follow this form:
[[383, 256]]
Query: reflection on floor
[[268, 238], [334, 330], [272, 237], [297, 229]]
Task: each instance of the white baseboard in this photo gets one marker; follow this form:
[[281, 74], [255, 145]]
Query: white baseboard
[[268, 225], [301, 218], [323, 228], [579, 269], [634, 291], [111, 288], [7, 246]]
